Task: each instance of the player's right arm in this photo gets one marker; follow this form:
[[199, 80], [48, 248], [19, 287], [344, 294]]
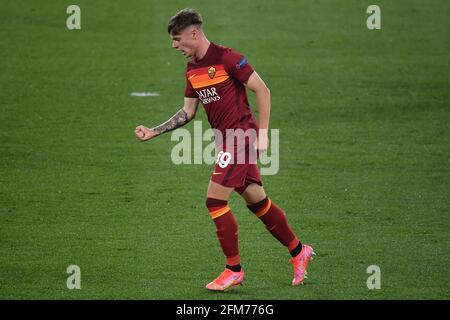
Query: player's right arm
[[179, 119]]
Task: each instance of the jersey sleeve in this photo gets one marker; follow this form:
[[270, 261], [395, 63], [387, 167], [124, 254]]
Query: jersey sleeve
[[189, 92], [237, 65]]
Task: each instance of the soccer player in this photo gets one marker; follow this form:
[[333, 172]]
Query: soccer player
[[218, 77]]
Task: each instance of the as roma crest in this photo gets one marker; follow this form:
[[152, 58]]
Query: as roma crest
[[211, 72]]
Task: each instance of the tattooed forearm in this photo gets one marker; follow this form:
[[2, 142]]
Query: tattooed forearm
[[179, 119]]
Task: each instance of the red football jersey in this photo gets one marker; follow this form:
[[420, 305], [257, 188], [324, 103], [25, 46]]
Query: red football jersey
[[218, 81]]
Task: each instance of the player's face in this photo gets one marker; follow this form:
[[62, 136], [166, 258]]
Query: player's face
[[185, 41]]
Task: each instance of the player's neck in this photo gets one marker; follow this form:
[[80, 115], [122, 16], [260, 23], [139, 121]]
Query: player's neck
[[202, 49]]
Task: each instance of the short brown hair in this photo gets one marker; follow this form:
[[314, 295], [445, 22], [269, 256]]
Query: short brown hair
[[184, 18]]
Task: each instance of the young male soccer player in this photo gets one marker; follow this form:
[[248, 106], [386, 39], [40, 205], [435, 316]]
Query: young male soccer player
[[219, 76]]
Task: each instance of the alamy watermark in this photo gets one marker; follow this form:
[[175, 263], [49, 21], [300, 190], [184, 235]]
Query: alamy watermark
[[74, 278], [374, 20], [229, 147], [74, 20], [374, 280]]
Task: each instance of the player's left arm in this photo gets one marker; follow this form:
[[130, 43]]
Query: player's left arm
[[257, 85]]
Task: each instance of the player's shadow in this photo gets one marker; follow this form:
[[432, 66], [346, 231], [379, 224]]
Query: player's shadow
[[229, 292]]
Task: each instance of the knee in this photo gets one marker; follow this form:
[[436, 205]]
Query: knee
[[211, 202], [261, 207], [217, 207]]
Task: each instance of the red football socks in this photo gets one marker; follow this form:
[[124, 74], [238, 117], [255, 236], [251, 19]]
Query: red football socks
[[226, 229], [276, 222]]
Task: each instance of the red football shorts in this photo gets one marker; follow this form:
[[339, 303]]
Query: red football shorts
[[230, 172]]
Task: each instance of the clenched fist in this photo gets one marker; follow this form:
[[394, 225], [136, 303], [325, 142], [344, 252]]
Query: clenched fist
[[143, 133]]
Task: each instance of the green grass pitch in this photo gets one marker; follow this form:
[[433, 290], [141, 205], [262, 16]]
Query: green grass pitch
[[364, 119]]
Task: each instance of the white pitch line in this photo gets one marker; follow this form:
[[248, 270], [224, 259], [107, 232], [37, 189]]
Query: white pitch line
[[145, 94]]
